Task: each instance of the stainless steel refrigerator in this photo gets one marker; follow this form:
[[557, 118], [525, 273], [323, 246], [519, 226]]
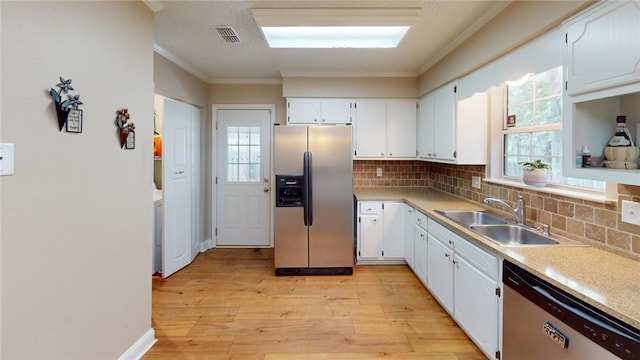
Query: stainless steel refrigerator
[[314, 200]]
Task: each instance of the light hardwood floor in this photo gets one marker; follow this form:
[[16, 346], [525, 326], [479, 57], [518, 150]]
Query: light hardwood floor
[[228, 304]]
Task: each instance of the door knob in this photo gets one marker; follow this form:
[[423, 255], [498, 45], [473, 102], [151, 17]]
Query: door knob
[[266, 189]]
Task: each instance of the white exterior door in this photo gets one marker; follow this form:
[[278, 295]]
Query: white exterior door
[[243, 178], [176, 174]]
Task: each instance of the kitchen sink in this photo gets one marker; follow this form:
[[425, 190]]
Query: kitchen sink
[[512, 235], [519, 235], [470, 217]]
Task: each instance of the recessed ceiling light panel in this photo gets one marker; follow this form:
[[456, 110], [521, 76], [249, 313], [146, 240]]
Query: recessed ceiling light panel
[[335, 28], [323, 37]]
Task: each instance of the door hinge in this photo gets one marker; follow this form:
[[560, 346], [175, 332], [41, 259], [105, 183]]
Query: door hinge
[[498, 292], [497, 354], [358, 252], [216, 232], [359, 219], [455, 154], [566, 85], [382, 206], [216, 125], [566, 38], [355, 152], [355, 105], [216, 180], [382, 253], [455, 88]]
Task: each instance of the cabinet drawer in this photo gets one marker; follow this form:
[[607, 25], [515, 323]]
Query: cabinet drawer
[[370, 207], [421, 220], [443, 234], [478, 258]]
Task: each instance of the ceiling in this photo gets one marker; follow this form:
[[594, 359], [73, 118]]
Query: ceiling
[[184, 35]]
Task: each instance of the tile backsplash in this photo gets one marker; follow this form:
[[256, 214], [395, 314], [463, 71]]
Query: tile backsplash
[[596, 223]]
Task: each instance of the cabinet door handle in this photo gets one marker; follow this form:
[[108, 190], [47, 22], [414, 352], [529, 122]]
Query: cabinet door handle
[[446, 255]]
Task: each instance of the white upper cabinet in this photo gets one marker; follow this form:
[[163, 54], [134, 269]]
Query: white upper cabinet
[[603, 47], [452, 130], [424, 127], [385, 129], [319, 111], [401, 129], [602, 74]]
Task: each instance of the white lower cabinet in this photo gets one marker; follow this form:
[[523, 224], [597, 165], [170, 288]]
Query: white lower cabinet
[[440, 270], [420, 246], [380, 235], [476, 305], [465, 280], [409, 221]]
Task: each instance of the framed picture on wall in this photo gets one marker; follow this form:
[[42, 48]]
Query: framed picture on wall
[[130, 142], [74, 121]]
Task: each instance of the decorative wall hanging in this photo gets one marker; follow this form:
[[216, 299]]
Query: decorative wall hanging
[[67, 111], [126, 129]]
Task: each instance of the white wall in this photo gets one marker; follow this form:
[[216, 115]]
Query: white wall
[[76, 218]]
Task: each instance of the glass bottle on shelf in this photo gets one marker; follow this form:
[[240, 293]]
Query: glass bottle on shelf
[[621, 152], [622, 136]]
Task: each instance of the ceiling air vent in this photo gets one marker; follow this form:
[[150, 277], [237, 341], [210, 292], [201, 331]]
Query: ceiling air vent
[[227, 33]]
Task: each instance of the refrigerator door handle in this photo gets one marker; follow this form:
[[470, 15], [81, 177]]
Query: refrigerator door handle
[[308, 197]]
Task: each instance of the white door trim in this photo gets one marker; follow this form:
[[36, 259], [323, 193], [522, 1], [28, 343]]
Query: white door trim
[[214, 162]]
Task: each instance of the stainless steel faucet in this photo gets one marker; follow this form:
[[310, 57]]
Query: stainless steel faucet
[[518, 212]]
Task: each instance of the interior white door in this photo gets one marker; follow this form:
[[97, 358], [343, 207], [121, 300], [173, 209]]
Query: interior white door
[[176, 174], [244, 177], [197, 210]]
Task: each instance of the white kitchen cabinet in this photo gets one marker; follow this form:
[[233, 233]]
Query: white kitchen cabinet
[[393, 231], [370, 230], [602, 82], [420, 248], [401, 129], [380, 237], [409, 225], [476, 305], [319, 111], [603, 47], [465, 280], [424, 127], [440, 270], [452, 130], [385, 129]]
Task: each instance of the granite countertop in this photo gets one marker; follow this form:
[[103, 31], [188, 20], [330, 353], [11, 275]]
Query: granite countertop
[[603, 279]]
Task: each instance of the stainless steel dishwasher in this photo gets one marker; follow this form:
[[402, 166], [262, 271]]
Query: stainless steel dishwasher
[[541, 321]]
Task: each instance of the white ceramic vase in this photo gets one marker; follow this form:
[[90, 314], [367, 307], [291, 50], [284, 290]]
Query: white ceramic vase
[[535, 177]]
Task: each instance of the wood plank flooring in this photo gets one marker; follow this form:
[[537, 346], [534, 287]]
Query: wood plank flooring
[[228, 304]]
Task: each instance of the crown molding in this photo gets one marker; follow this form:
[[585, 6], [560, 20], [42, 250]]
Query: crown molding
[[154, 5], [176, 60]]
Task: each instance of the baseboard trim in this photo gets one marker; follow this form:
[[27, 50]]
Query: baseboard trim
[[207, 244], [137, 350]]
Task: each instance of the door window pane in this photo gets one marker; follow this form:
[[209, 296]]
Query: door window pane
[[243, 154]]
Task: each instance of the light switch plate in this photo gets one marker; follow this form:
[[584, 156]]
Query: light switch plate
[[6, 159], [379, 172], [475, 182], [631, 212]]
